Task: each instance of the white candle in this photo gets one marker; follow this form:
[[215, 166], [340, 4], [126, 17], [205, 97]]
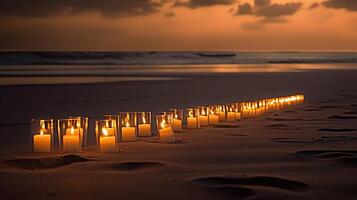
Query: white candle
[[144, 130], [42, 143], [177, 125], [203, 120], [107, 144], [166, 135], [222, 116], [192, 123], [231, 116], [238, 115], [213, 119], [128, 134], [71, 143], [75, 131]]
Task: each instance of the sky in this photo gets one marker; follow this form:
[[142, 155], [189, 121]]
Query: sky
[[178, 25]]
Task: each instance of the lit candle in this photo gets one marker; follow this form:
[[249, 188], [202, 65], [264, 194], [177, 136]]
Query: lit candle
[[203, 120], [128, 133], [213, 119], [107, 142], [222, 116], [191, 122], [177, 125], [71, 142], [166, 133], [42, 142], [144, 130], [231, 116], [238, 115]]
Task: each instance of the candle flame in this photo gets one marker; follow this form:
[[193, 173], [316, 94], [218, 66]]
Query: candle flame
[[203, 112], [78, 124], [176, 116], [105, 131], [41, 132], [42, 124], [72, 130], [144, 119], [127, 124], [190, 113], [162, 124]]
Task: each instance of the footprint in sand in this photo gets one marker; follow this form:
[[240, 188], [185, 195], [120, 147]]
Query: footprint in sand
[[282, 127], [134, 166], [345, 157], [342, 117], [43, 163], [227, 126], [260, 181], [314, 140], [337, 129]]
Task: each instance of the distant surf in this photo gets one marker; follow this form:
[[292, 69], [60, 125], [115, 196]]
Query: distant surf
[[173, 58]]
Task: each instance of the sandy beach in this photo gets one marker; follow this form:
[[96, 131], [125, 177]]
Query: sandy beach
[[305, 152]]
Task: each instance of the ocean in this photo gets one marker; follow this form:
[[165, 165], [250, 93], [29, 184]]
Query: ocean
[[61, 67]]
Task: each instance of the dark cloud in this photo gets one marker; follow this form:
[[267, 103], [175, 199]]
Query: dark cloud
[[245, 9], [266, 9], [277, 10], [262, 3], [203, 3], [350, 5], [271, 13], [108, 8]]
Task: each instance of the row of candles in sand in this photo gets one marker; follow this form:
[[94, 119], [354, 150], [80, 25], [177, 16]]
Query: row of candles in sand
[[128, 126]]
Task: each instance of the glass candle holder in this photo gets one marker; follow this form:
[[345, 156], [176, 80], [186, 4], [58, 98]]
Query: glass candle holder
[[193, 118], [106, 135], [42, 135], [203, 118], [231, 112], [222, 113], [177, 120], [213, 118], [144, 124], [128, 126], [69, 135], [83, 128], [164, 128], [238, 111]]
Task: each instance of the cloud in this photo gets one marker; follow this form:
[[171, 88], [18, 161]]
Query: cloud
[[264, 8], [109, 8], [350, 5], [202, 3], [245, 9], [271, 13], [277, 10], [262, 3]]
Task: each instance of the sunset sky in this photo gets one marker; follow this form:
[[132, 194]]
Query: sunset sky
[[178, 25]]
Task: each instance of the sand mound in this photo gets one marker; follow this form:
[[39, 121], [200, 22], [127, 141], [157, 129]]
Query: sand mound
[[131, 166], [43, 163], [264, 181]]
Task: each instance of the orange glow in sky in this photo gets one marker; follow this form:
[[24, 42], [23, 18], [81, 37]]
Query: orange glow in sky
[[216, 25]]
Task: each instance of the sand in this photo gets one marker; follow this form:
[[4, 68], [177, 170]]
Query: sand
[[306, 152]]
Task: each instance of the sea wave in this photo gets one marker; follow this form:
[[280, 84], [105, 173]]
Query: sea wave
[[173, 58]]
